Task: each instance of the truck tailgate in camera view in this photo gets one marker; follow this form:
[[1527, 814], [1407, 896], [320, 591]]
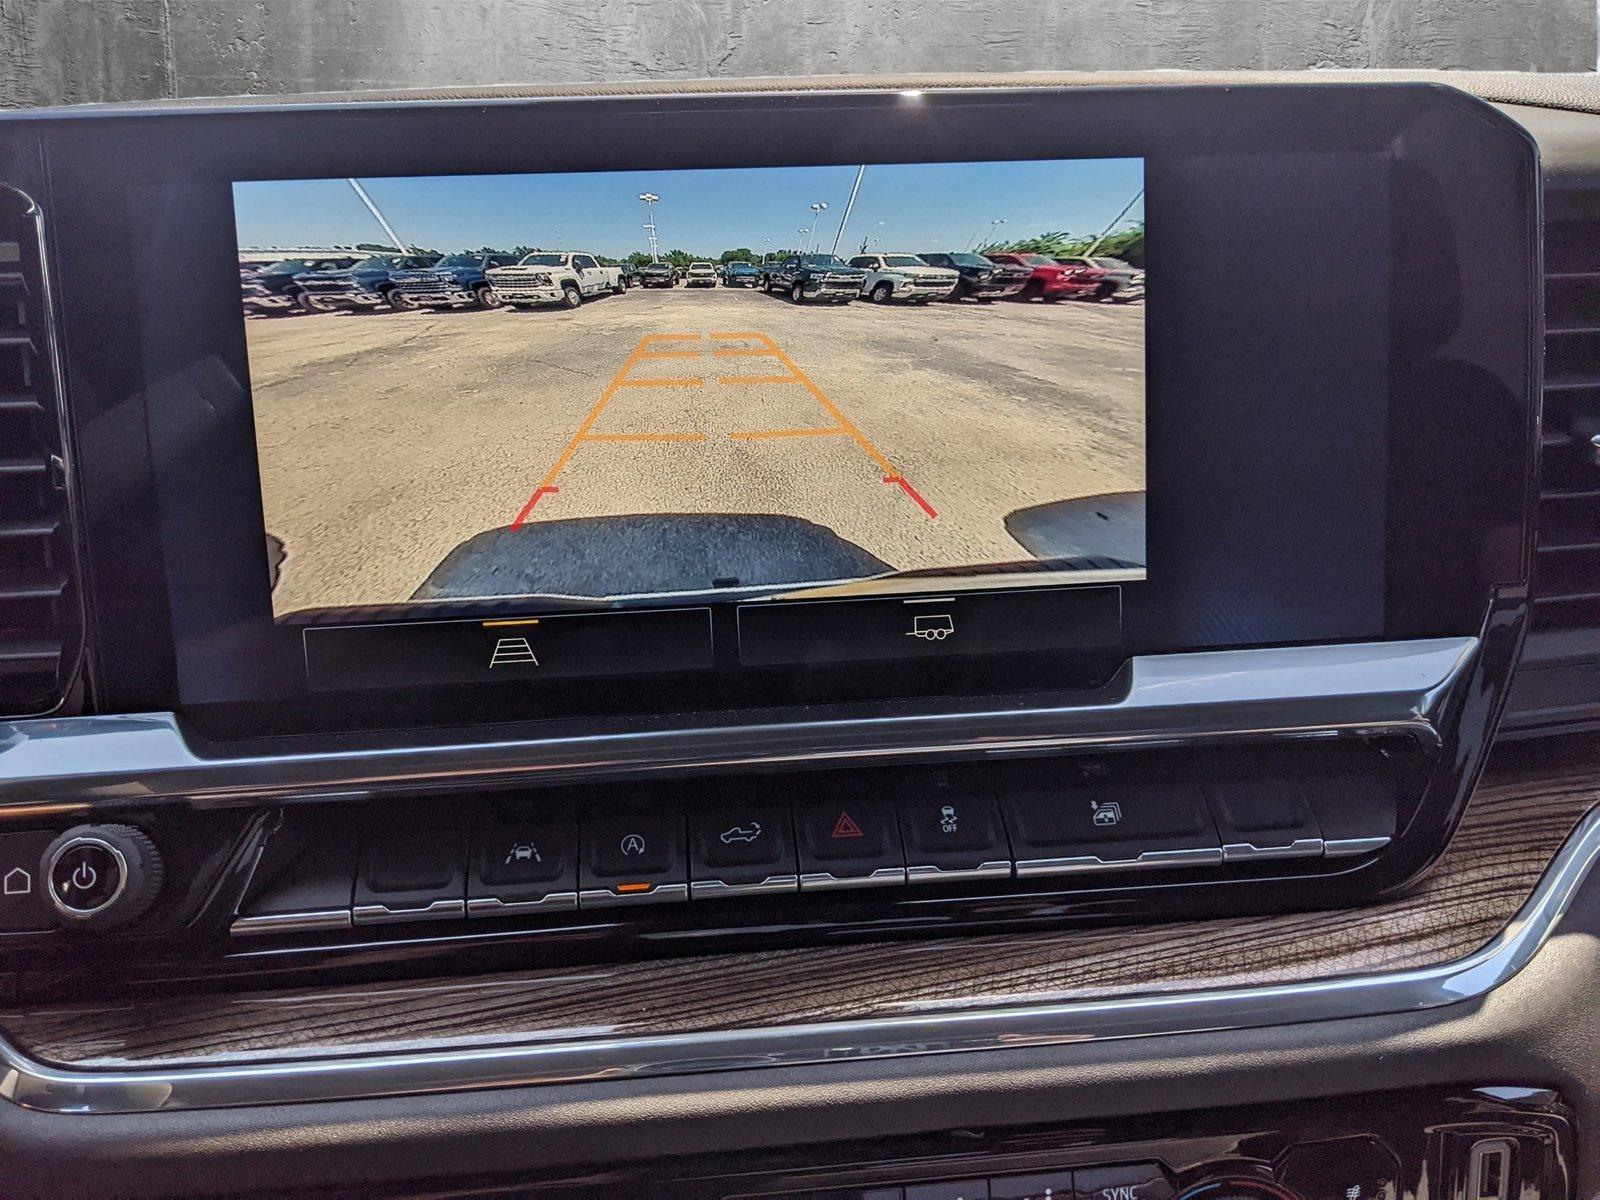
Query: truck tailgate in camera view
[[541, 437]]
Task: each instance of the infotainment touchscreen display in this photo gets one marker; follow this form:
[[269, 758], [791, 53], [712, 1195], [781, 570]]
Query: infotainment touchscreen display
[[535, 408], [500, 395]]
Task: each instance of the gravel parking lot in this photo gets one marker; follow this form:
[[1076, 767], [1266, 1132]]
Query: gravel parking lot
[[902, 435]]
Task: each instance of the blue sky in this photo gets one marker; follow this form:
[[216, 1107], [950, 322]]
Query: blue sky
[[917, 207]]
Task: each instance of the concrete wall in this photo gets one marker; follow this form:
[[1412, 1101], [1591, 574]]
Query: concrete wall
[[64, 51]]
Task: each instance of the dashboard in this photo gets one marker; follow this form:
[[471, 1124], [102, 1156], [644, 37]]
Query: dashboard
[[985, 690]]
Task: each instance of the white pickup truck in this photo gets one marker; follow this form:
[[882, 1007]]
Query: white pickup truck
[[554, 277], [904, 277]]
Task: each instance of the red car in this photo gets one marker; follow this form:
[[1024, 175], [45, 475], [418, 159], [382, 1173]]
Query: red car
[[1052, 280]]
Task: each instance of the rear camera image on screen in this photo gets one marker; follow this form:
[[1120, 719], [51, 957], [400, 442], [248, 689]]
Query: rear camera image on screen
[[544, 392]]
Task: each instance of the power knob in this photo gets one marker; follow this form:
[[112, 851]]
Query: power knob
[[101, 876]]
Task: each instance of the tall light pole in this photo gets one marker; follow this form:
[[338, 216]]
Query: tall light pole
[[849, 206], [381, 219], [992, 224], [650, 199], [1106, 232], [816, 211]]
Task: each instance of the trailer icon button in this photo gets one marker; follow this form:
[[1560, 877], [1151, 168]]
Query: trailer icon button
[[1026, 620], [933, 628]]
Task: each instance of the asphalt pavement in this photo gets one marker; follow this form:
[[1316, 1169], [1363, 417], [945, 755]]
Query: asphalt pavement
[[819, 439]]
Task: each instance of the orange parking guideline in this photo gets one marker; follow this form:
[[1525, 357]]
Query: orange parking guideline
[[548, 481], [648, 437], [765, 348], [828, 431], [821, 397]]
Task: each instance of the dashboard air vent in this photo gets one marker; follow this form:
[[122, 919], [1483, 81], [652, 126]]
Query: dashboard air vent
[[1567, 574], [40, 624]]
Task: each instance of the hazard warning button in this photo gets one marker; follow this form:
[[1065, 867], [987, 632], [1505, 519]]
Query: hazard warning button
[[849, 843]]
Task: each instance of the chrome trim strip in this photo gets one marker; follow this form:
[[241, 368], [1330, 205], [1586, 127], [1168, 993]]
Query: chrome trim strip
[[1302, 691], [661, 893], [434, 910], [928, 873], [819, 881], [1346, 847], [311, 921], [59, 1090], [716, 889], [1197, 856], [1310, 847], [493, 906]]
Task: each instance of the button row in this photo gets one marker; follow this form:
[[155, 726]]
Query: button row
[[934, 827], [539, 864]]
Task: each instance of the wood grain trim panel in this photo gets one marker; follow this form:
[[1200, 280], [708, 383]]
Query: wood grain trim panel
[[1514, 824]]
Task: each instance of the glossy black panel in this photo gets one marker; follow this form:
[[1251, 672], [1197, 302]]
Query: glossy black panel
[[1301, 489], [1385, 1146]]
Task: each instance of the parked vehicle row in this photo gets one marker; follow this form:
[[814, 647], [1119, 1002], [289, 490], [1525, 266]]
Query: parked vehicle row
[[568, 278], [923, 278]]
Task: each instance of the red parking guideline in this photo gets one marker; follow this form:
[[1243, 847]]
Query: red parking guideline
[[528, 507], [905, 485]]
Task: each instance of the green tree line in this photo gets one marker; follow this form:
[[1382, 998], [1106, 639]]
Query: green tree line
[[682, 258], [1126, 244]]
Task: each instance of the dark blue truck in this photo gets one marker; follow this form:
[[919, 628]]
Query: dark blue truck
[[453, 281], [367, 284], [274, 289]]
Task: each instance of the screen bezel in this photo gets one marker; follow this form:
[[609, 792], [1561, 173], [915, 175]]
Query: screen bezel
[[1451, 138]]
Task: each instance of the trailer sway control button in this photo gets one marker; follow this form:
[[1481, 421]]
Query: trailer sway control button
[[1064, 826]]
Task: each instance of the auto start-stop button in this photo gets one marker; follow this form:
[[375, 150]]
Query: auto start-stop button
[[87, 875]]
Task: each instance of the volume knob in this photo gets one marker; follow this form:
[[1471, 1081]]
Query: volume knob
[[101, 876]]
